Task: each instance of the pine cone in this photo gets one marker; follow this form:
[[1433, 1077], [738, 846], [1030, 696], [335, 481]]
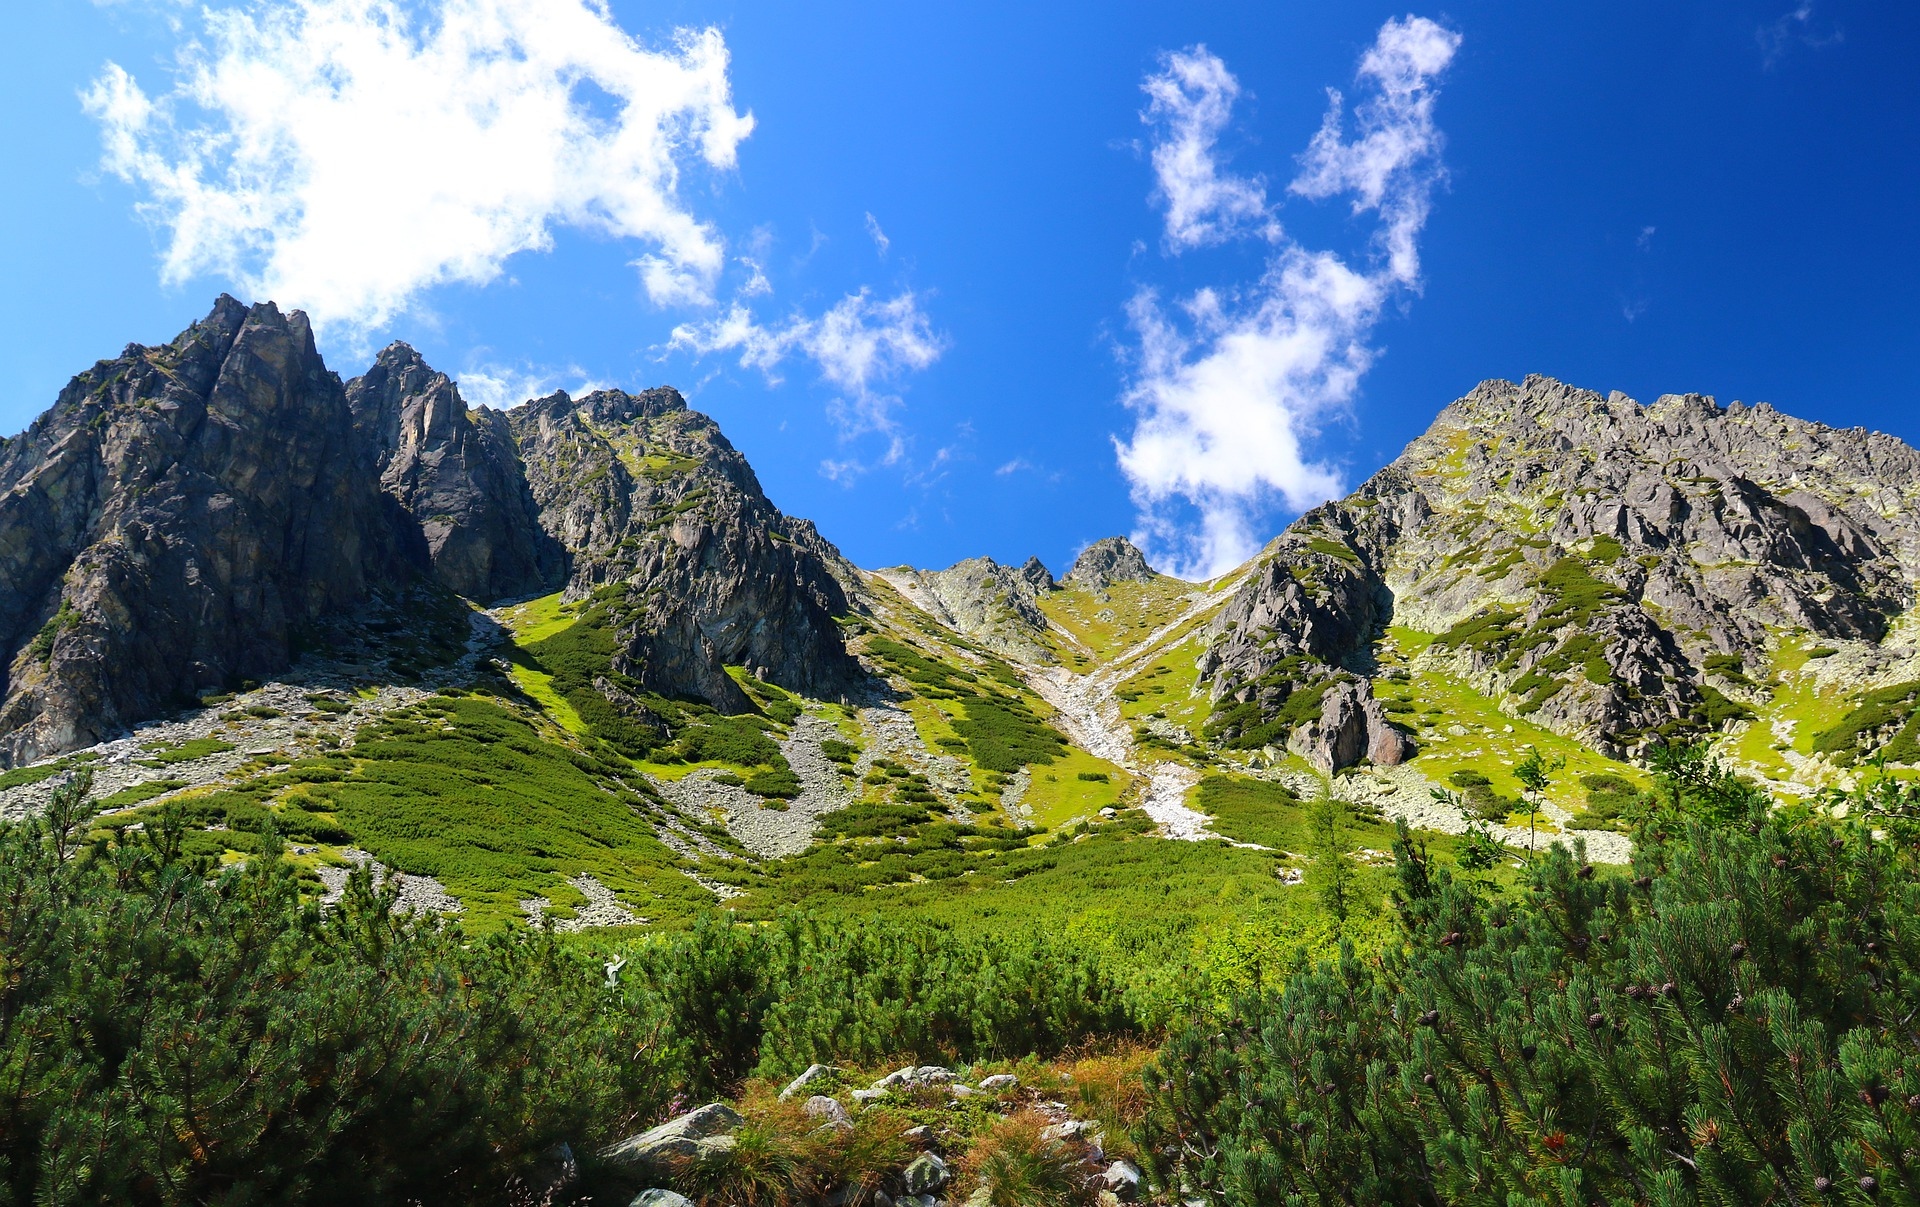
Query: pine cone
[[1596, 1021], [1738, 951], [1430, 1019], [1822, 1185], [1869, 1183]]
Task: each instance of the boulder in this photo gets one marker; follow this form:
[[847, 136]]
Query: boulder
[[696, 1134], [1123, 1179], [660, 1198], [825, 1109], [927, 1174], [1352, 725], [814, 1073], [999, 1082]]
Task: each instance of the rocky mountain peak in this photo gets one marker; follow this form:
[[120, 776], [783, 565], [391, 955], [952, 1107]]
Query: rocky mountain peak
[[1106, 562], [172, 520], [1036, 575], [1582, 557], [456, 476]]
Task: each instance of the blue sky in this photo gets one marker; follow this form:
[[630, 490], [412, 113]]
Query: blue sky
[[963, 285]]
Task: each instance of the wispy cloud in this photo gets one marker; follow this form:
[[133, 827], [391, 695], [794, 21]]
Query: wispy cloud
[[346, 155], [1189, 104], [879, 237], [501, 387], [861, 347], [1228, 385], [1794, 28]]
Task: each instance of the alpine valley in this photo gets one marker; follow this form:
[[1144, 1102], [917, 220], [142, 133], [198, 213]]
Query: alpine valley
[[565, 669]]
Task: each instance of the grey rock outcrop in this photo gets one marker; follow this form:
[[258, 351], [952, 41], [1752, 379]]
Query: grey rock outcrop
[[647, 496], [1352, 726], [995, 605], [1580, 556], [1037, 576], [1106, 562], [698, 1133], [173, 522], [456, 475]]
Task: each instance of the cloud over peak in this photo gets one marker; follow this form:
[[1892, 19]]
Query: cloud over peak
[[345, 155], [1230, 384]]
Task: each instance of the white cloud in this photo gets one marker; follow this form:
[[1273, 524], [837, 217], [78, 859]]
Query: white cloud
[[860, 346], [345, 155], [1189, 103], [503, 387], [1229, 385], [878, 236]]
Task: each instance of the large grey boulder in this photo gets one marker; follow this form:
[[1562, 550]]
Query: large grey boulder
[[813, 1073], [1352, 726], [696, 1134], [660, 1198]]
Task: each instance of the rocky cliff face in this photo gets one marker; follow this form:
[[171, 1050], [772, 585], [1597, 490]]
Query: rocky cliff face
[[654, 505], [185, 513], [456, 476], [1581, 557], [172, 522]]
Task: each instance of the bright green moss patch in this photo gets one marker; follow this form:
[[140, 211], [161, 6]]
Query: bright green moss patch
[[186, 752], [468, 792], [1887, 720], [20, 777]]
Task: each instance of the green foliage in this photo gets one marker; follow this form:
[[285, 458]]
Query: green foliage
[[1729, 1029], [1003, 734], [581, 656], [776, 782], [1716, 709], [1888, 717], [738, 740], [1332, 874], [839, 751], [864, 990], [1688, 782], [1478, 797], [20, 777], [186, 752], [171, 1040], [467, 791], [1728, 666], [40, 649], [140, 792], [1477, 631], [1610, 800], [1334, 549], [1001, 730]]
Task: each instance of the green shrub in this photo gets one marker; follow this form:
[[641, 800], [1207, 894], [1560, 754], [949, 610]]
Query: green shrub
[[1719, 1029]]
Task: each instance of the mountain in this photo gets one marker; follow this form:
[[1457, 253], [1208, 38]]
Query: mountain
[[456, 474], [1617, 572], [569, 661], [172, 522], [187, 518]]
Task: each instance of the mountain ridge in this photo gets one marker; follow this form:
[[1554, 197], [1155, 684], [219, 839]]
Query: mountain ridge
[[1546, 568]]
